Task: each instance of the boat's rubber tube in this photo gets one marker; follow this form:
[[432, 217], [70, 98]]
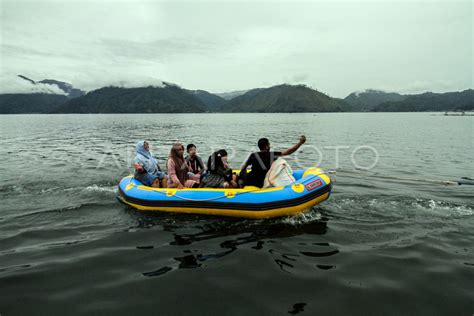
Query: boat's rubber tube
[[312, 187]]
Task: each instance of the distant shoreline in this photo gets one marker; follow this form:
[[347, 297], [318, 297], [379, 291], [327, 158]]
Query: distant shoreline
[[442, 113], [282, 98]]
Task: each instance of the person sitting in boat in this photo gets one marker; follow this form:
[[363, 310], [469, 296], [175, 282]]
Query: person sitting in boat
[[147, 170], [261, 162], [219, 173], [193, 161], [179, 173]]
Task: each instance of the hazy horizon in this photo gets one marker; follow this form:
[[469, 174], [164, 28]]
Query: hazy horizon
[[337, 48]]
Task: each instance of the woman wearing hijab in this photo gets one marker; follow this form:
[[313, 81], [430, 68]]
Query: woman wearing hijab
[[178, 171], [147, 170]]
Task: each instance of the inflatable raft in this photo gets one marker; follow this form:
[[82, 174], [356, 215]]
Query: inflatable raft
[[312, 186]]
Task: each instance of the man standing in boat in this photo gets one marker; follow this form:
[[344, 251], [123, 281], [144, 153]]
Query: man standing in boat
[[262, 161]]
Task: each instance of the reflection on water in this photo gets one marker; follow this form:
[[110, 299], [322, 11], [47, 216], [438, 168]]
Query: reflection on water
[[297, 308], [231, 234]]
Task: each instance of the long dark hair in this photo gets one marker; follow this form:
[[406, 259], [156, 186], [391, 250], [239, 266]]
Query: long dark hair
[[215, 163]]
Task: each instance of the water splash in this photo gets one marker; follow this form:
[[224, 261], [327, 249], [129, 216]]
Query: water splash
[[441, 208], [302, 218], [101, 189]]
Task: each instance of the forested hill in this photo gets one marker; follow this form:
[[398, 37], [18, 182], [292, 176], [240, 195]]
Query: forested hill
[[212, 102], [369, 99], [168, 99], [283, 98], [30, 103], [450, 101]]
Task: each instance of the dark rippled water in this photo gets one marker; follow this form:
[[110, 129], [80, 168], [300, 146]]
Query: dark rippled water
[[392, 240]]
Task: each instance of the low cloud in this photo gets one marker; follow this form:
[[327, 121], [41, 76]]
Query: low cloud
[[15, 84]]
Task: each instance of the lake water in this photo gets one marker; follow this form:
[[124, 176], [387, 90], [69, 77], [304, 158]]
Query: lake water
[[391, 240]]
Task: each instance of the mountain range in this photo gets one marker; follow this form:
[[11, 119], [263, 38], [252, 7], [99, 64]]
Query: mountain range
[[170, 98]]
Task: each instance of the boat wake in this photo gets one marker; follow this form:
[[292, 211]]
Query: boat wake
[[379, 207]]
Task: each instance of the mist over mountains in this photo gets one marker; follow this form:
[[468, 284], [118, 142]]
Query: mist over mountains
[[51, 86], [54, 96]]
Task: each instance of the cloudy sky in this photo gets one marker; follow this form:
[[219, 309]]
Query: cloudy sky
[[335, 47]]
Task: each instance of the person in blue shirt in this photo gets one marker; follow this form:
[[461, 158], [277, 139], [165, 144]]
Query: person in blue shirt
[[147, 170]]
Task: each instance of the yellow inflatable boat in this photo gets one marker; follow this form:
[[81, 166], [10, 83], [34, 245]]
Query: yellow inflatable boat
[[312, 186]]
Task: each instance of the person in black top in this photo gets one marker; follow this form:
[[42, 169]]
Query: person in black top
[[262, 161], [193, 160], [219, 175]]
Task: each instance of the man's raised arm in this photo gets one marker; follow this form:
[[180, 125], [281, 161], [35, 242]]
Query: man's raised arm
[[295, 147]]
